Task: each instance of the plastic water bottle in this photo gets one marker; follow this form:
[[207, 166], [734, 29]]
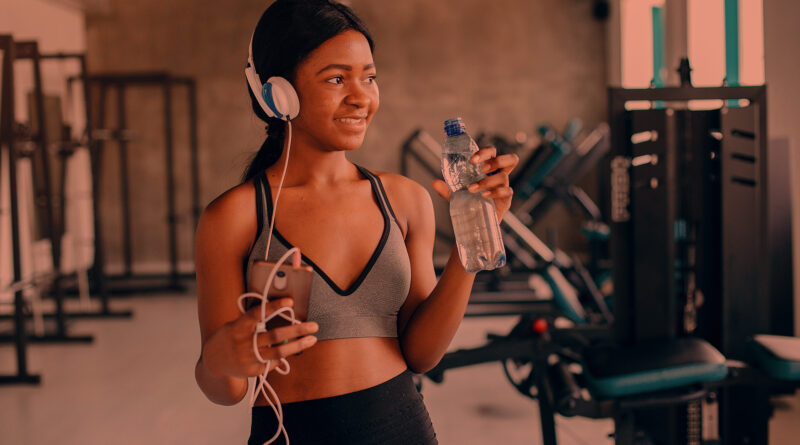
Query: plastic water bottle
[[478, 236]]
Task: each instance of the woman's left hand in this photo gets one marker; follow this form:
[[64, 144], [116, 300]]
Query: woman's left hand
[[495, 185]]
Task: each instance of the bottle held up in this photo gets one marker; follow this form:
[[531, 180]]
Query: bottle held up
[[478, 237]]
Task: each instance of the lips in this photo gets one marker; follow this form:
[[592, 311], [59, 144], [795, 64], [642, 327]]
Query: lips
[[356, 123], [350, 120]]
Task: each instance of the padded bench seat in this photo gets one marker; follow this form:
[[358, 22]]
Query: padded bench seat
[[612, 371], [777, 356]]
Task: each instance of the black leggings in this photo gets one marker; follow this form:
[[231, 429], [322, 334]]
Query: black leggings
[[387, 414]]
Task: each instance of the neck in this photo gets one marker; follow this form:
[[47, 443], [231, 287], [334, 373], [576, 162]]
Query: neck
[[310, 165]]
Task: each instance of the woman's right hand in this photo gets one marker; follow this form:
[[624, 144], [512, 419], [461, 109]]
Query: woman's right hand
[[229, 352]]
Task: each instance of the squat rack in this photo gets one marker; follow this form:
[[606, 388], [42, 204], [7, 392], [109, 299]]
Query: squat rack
[[99, 134]]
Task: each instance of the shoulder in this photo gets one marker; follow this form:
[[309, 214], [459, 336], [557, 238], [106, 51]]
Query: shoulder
[[409, 199], [230, 218]]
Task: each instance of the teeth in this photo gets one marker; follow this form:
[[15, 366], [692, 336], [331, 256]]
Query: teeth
[[348, 120]]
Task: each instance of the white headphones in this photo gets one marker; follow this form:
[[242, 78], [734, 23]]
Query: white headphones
[[277, 97]]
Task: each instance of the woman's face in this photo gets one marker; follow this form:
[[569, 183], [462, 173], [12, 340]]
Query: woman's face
[[338, 93]]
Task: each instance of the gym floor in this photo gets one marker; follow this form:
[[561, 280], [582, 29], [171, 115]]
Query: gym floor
[[135, 385]]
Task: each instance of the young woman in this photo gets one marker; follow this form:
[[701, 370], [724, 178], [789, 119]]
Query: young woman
[[377, 312]]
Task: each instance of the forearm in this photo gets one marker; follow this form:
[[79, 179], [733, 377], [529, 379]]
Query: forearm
[[435, 321], [222, 390]]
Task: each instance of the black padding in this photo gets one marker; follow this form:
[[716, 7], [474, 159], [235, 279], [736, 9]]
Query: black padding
[[613, 361]]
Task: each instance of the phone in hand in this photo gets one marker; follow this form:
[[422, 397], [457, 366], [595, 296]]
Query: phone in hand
[[290, 282]]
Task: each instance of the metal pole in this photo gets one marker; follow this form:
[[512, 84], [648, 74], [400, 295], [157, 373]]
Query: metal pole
[[96, 150], [52, 226], [194, 151], [98, 273], [171, 217], [124, 174]]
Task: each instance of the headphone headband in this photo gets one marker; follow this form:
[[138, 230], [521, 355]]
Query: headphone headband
[[276, 97]]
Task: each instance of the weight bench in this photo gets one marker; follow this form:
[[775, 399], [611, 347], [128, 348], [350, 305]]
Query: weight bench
[[664, 373], [777, 356], [620, 379]]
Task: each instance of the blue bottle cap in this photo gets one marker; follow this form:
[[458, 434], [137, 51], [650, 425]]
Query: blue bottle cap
[[454, 127]]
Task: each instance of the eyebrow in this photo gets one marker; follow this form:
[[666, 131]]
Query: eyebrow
[[344, 67]]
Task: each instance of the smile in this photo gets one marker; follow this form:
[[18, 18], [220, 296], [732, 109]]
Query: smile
[[351, 120]]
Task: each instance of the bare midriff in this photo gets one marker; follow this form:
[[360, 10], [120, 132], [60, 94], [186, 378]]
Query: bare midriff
[[335, 367]]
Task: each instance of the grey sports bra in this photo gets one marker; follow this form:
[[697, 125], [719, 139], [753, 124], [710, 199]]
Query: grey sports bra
[[368, 308]]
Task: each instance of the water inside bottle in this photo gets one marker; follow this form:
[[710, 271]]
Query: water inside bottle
[[458, 171]]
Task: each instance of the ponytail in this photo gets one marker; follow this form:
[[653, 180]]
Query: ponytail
[[270, 150]]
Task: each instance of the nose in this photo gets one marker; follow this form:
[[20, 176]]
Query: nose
[[358, 95]]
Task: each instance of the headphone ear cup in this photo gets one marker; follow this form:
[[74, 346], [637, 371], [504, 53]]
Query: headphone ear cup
[[281, 97]]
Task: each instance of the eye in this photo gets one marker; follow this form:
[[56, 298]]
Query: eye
[[372, 79], [337, 80]]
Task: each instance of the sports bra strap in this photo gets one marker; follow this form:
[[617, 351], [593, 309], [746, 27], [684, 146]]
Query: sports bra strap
[[260, 206], [374, 179], [264, 210]]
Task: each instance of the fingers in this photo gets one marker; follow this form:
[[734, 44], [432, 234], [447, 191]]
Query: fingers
[[279, 335], [442, 189], [504, 163], [287, 349], [490, 183], [498, 193], [483, 155], [253, 316]]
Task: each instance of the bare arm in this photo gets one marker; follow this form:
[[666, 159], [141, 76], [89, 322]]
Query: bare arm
[[433, 310], [224, 235]]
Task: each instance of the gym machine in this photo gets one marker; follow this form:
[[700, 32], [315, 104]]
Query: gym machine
[[67, 149], [7, 144], [45, 227], [693, 357], [72, 161], [97, 87]]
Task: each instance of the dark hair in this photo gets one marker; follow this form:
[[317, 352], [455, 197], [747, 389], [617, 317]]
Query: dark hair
[[285, 35]]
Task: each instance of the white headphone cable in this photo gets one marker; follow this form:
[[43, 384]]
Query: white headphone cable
[[261, 385]]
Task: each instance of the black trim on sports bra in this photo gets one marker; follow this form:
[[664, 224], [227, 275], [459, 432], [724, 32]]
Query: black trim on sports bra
[[385, 196], [259, 209], [375, 254]]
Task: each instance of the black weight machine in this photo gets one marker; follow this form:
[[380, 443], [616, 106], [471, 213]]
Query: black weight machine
[[17, 141], [55, 141], [685, 362], [550, 176], [67, 148], [98, 87], [7, 143], [20, 141]]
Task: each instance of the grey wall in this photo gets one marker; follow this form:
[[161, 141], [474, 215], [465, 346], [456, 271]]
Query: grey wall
[[504, 65]]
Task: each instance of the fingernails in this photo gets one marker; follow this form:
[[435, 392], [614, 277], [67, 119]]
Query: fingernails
[[309, 340], [485, 168], [475, 159], [485, 194], [473, 188]]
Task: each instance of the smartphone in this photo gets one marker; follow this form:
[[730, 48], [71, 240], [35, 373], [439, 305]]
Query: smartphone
[[290, 282]]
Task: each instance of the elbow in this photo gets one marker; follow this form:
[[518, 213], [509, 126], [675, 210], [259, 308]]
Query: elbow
[[222, 396], [420, 369], [224, 391], [225, 401], [421, 365], [419, 358]]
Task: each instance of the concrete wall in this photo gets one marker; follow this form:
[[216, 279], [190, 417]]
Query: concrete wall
[[504, 65], [57, 28], [782, 69]]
